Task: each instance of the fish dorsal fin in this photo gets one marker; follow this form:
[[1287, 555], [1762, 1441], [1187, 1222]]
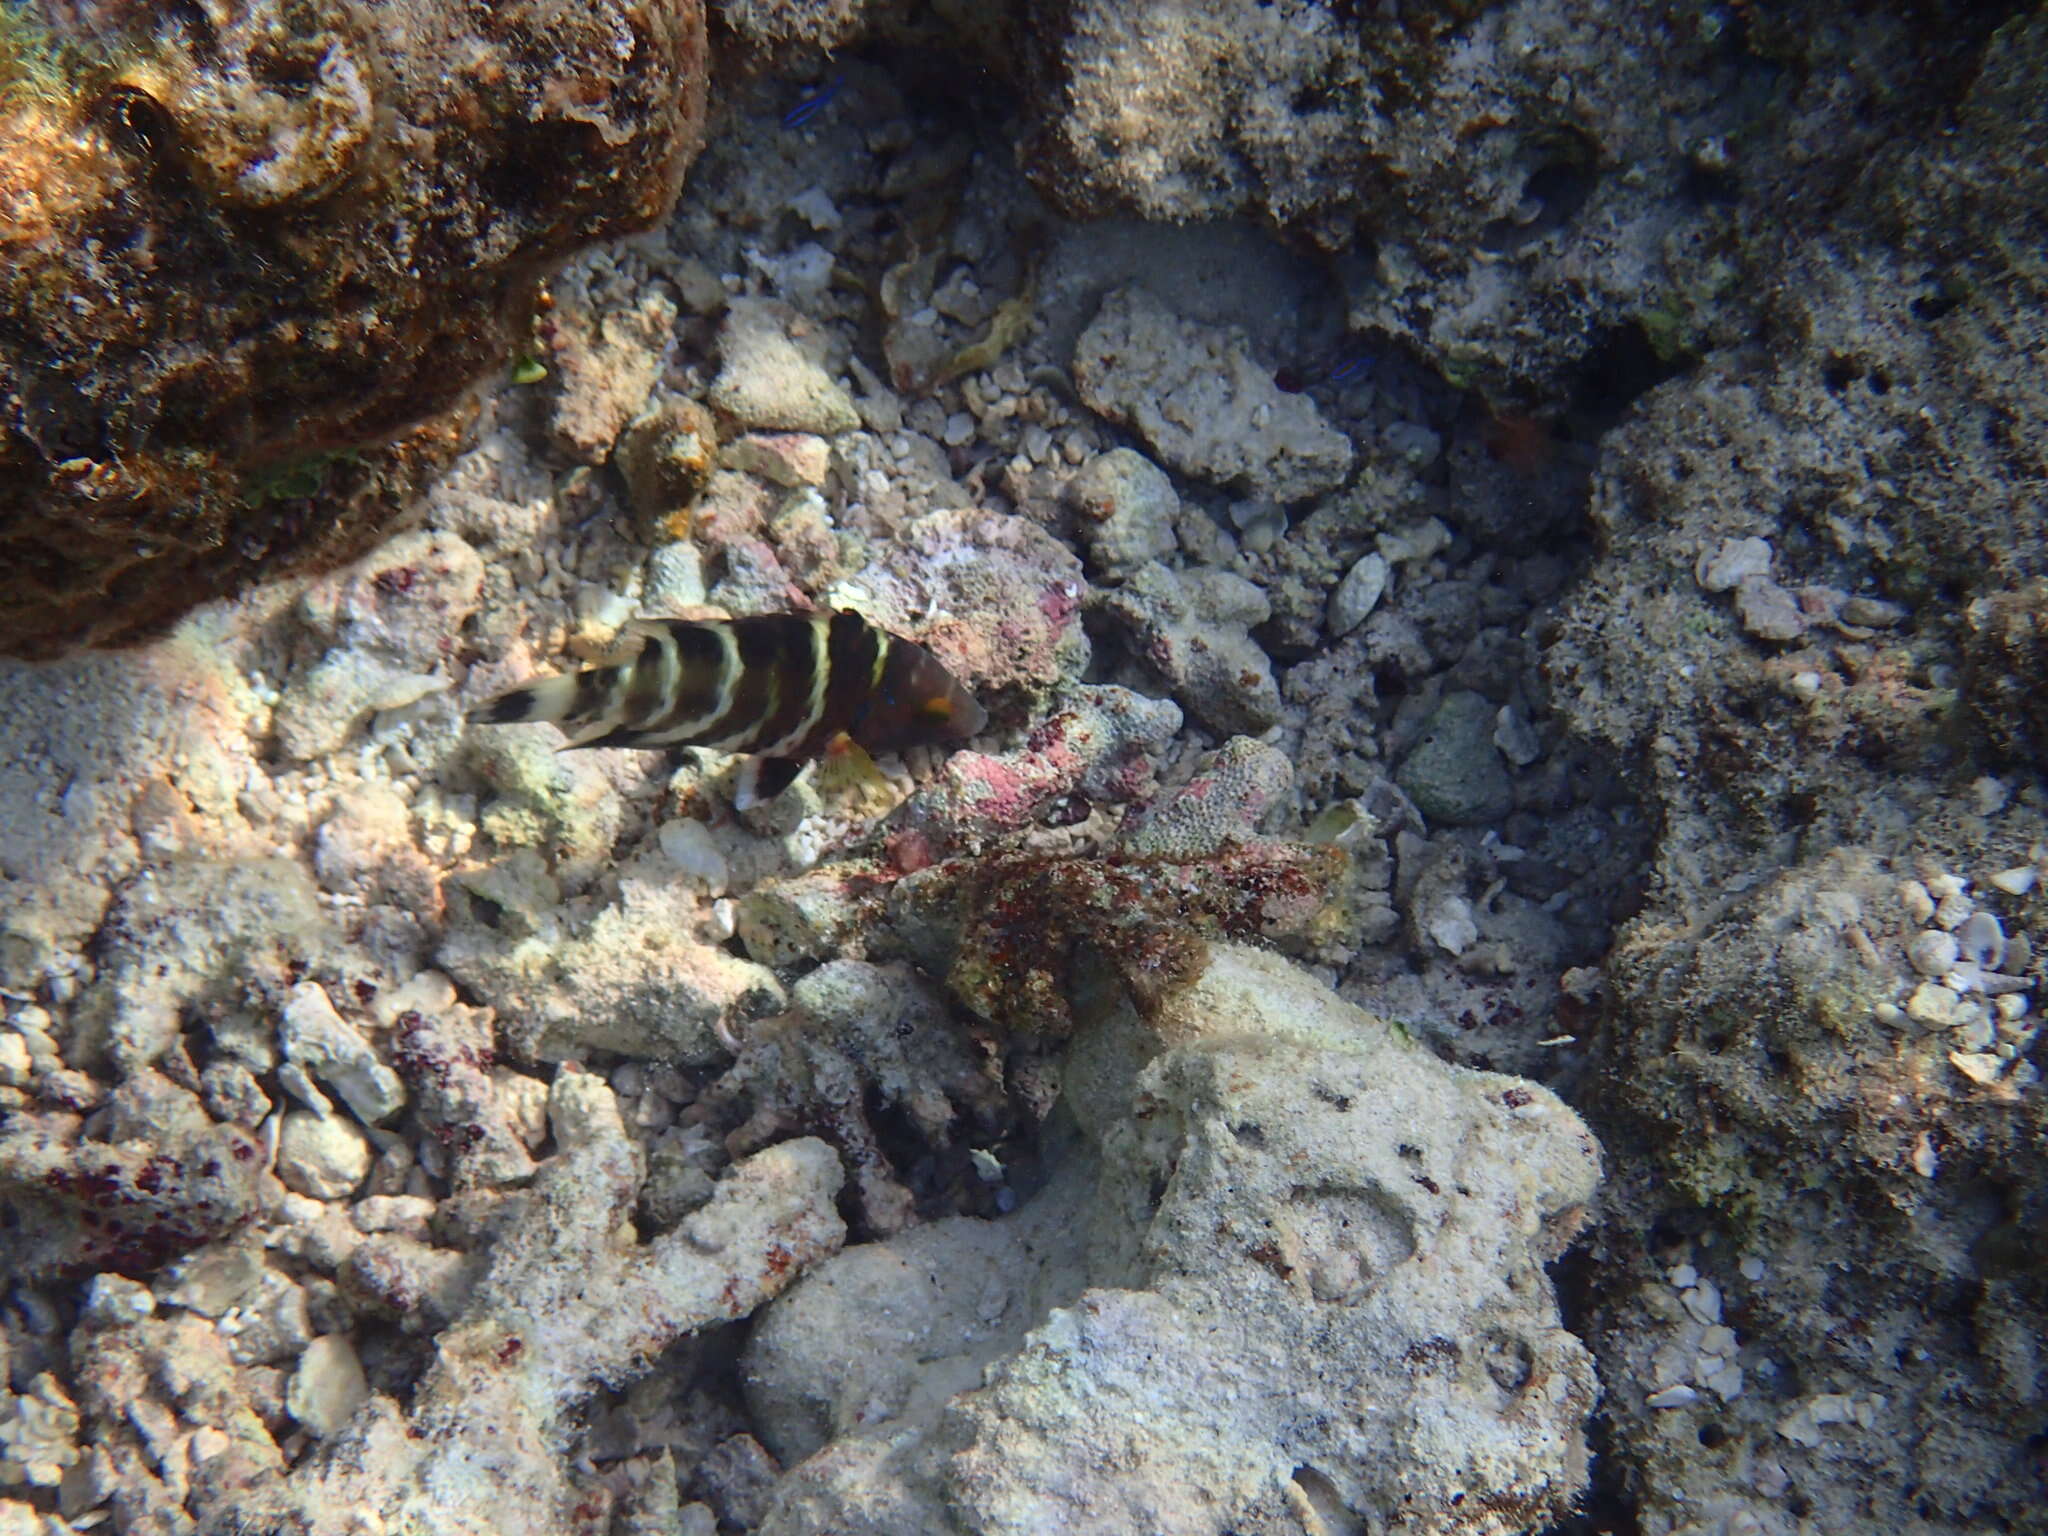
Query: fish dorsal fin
[[648, 628]]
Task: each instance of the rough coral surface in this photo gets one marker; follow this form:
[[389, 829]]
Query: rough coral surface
[[563, 1307], [264, 882], [1821, 1029], [1492, 178], [77, 1205], [241, 243], [1261, 1177]]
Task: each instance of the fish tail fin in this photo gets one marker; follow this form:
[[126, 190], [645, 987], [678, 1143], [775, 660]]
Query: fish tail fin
[[550, 698]]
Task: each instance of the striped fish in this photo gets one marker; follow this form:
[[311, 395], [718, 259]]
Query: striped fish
[[782, 687]]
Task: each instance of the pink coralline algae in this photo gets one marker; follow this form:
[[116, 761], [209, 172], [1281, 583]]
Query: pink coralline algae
[[993, 596], [1095, 747]]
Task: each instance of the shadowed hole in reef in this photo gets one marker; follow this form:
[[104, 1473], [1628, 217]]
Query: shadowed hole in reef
[[1621, 365], [1556, 188], [1608, 1507]]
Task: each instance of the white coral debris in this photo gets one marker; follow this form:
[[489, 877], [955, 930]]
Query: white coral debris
[[38, 1434]]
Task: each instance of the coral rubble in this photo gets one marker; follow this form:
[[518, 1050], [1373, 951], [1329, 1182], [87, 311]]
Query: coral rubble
[[1579, 601]]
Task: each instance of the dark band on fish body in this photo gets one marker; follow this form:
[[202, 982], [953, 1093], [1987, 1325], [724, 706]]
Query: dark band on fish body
[[777, 665], [855, 652], [787, 685]]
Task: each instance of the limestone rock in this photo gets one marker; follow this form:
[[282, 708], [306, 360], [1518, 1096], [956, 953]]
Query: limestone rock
[[377, 637], [767, 382], [333, 1050], [1128, 507], [174, 1193], [604, 361], [328, 1387], [1358, 593], [1288, 1179], [1454, 773], [1192, 630], [632, 978], [1195, 394], [564, 1307], [321, 1155]]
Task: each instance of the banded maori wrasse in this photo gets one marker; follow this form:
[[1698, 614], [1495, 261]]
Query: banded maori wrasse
[[782, 687]]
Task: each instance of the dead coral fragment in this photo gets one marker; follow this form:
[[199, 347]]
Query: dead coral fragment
[[130, 1208], [861, 1038], [38, 1434], [566, 1306]]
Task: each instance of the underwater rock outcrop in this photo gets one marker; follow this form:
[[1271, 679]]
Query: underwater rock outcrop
[[254, 253], [1822, 1030], [1519, 189], [1264, 1208]]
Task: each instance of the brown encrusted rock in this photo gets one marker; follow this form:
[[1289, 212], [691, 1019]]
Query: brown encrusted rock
[[2005, 649], [1006, 929], [605, 357], [244, 242], [666, 455]]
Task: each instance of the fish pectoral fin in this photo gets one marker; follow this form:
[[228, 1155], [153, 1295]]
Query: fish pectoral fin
[[762, 779], [847, 774]]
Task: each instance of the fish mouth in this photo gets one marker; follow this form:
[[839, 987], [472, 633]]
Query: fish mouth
[[968, 717]]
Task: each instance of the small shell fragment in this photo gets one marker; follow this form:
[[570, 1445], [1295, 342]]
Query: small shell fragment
[[1679, 1396], [1727, 1382], [1703, 1301], [1933, 1005], [1981, 940], [1925, 1163], [1932, 952], [1914, 898], [1977, 1066]]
